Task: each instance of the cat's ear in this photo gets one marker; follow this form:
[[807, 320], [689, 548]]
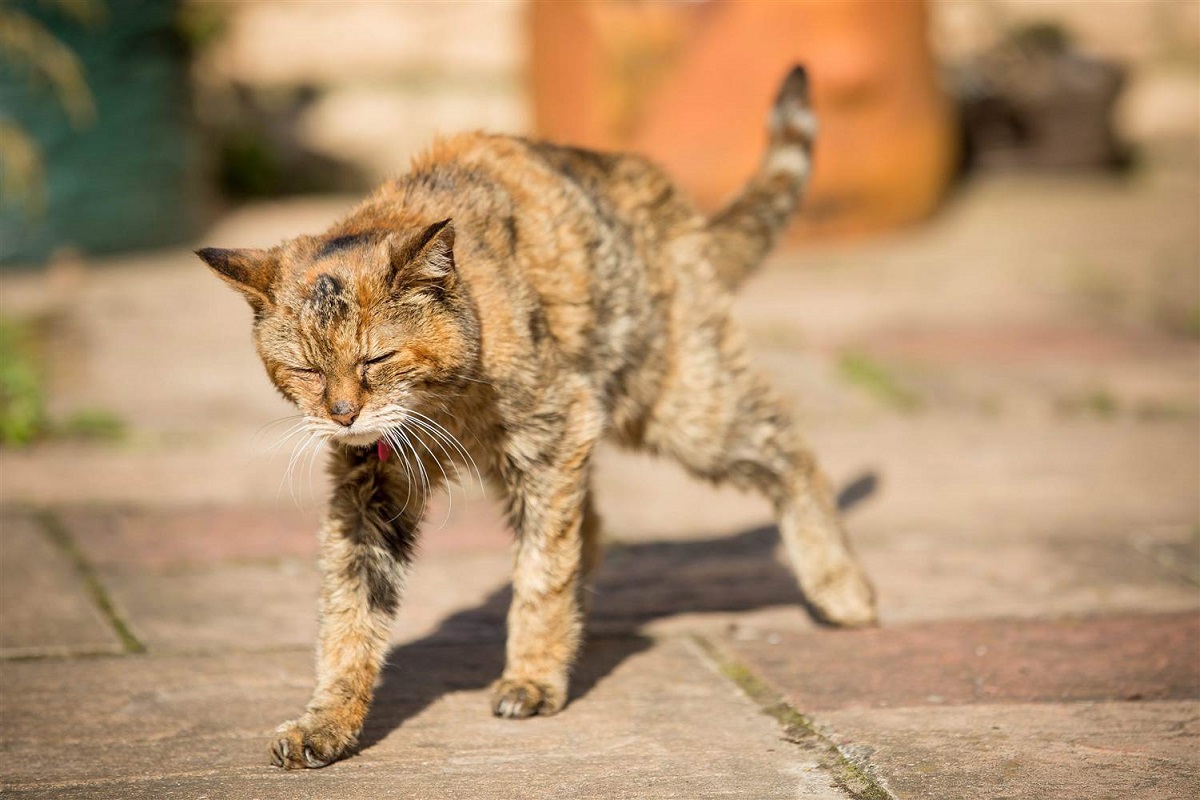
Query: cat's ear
[[425, 258], [251, 272]]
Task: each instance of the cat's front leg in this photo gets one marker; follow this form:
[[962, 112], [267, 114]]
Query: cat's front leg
[[366, 546], [545, 622]]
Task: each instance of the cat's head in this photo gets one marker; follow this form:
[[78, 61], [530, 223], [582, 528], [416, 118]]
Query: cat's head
[[359, 331]]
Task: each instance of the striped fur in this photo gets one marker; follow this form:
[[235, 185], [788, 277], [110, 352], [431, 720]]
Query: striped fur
[[506, 305]]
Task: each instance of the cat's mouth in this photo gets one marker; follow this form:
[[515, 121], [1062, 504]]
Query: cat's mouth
[[357, 438]]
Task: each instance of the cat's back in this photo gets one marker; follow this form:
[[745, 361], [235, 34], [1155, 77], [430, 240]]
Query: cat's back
[[575, 225], [620, 194]]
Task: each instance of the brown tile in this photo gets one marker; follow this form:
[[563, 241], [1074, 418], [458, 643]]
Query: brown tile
[[239, 606], [1150, 657], [928, 575], [156, 539], [268, 605], [1044, 751]]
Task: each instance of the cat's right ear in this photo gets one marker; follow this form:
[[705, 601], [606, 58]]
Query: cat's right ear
[[251, 272]]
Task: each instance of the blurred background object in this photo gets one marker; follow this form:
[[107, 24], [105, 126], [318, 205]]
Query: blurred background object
[[96, 136], [327, 97], [126, 124], [688, 85], [1033, 101]]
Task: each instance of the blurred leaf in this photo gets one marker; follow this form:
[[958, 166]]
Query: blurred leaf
[[202, 24], [22, 177], [85, 12], [27, 44], [1095, 401], [93, 424], [22, 412], [23, 416], [878, 381]]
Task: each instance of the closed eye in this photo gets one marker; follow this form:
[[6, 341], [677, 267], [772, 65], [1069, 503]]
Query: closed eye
[[379, 359]]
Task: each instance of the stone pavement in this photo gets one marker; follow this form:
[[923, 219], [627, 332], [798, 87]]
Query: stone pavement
[[1005, 392]]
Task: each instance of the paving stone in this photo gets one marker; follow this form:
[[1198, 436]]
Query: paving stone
[[184, 597], [455, 598], [1135, 657], [647, 720], [171, 537], [948, 574], [155, 539], [920, 575], [155, 476], [1175, 547], [198, 579], [273, 605], [1044, 751], [238, 606], [675, 584], [44, 605], [1017, 479]]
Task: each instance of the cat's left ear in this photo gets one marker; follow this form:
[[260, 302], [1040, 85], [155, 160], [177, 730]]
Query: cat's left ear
[[425, 258]]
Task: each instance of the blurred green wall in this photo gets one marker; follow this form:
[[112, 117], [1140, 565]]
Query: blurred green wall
[[128, 179]]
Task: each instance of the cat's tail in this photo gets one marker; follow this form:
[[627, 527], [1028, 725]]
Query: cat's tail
[[745, 230]]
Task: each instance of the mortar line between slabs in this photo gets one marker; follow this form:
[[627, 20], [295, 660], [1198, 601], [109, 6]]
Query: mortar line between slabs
[[54, 529], [851, 776]]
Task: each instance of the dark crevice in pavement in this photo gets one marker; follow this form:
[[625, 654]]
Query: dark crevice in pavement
[[849, 774], [58, 535], [71, 654]]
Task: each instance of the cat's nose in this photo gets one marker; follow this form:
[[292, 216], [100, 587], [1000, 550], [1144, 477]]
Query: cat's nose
[[344, 412]]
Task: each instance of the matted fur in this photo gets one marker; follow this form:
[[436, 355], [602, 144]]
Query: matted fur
[[503, 307]]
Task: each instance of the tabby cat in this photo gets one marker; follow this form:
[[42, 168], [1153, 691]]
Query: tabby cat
[[506, 305]]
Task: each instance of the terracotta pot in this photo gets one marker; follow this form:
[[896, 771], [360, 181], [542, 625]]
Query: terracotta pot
[[689, 85]]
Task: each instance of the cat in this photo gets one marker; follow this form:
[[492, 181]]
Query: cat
[[504, 306]]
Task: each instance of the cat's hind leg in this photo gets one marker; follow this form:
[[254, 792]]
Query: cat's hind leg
[[725, 423]]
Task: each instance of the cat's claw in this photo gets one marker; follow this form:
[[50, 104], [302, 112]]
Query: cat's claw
[[310, 743], [518, 699]]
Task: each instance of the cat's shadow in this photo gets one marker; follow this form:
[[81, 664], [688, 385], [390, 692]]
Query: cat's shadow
[[636, 584]]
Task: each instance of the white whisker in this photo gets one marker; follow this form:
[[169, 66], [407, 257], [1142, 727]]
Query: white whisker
[[403, 461], [439, 441], [297, 421], [311, 445], [450, 438], [291, 432], [297, 449], [445, 477], [402, 438], [312, 460], [308, 449]]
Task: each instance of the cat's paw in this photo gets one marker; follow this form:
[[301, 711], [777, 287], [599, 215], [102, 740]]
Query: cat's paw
[[845, 599], [311, 742], [515, 698]]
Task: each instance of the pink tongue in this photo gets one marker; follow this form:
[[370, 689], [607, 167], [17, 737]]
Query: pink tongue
[[383, 449]]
